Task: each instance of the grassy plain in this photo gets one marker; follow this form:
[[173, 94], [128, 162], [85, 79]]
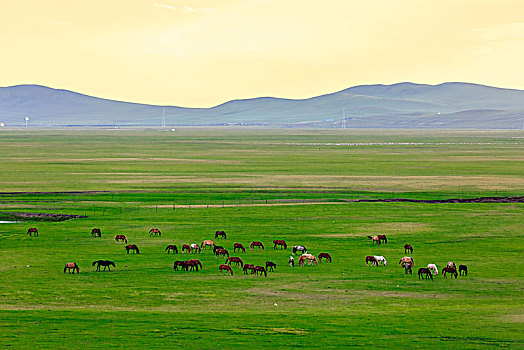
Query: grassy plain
[[144, 303]]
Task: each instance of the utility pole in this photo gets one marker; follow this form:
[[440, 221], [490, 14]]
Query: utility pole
[[163, 118]]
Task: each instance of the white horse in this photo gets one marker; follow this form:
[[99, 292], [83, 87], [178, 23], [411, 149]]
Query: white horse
[[291, 262], [380, 259], [195, 247], [299, 248], [452, 264], [433, 268]]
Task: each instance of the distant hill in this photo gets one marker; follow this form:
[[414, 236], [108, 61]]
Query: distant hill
[[403, 105]]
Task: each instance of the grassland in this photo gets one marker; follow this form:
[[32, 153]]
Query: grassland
[[192, 182]]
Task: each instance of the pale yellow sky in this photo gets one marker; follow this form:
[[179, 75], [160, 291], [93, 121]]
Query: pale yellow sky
[[199, 53]]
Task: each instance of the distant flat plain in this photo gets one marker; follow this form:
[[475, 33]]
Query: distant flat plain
[[192, 182]]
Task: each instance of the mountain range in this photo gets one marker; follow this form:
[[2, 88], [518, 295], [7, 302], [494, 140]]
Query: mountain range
[[402, 105]]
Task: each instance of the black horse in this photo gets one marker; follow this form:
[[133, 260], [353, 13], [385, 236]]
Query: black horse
[[463, 269], [424, 271], [270, 265], [96, 233], [171, 247], [221, 234], [104, 263]]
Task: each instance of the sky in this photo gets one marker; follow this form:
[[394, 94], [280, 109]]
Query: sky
[[200, 53]]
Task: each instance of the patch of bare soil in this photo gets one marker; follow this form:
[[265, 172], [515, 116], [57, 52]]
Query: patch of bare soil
[[40, 216], [453, 200]]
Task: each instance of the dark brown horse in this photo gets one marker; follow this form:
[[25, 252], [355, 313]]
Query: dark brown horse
[[270, 266], [238, 246], [463, 269], [408, 247], [234, 259], [155, 232], [324, 255], [279, 242], [71, 266], [96, 233], [383, 238], [220, 234], [186, 247], [260, 269], [104, 263], [171, 247], [190, 265], [226, 268], [407, 268], [32, 231], [197, 263], [451, 270], [249, 267], [222, 252], [132, 247], [424, 271], [178, 263], [120, 238], [256, 244], [371, 259]]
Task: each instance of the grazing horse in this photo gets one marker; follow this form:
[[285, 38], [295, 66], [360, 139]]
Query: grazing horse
[[171, 247], [291, 261], [407, 268], [186, 247], [463, 269], [260, 269], [132, 247], [380, 259], [433, 268], [220, 234], [256, 244], [120, 238], [226, 268], [371, 259], [270, 265], [96, 233], [451, 270], [279, 242], [407, 259], [324, 255], [197, 263], [31, 231], [374, 239], [222, 252], [311, 259], [190, 264], [154, 232], [104, 263], [178, 263], [249, 267], [234, 259], [238, 246], [217, 247], [71, 266], [451, 264], [383, 238], [408, 247], [194, 247], [206, 243], [424, 271], [299, 248]]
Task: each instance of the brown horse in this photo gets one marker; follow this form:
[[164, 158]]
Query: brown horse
[[374, 239], [96, 233], [311, 259], [383, 238], [120, 238], [220, 234], [178, 263], [249, 267], [424, 271], [256, 244], [186, 247], [197, 263], [260, 269], [407, 259], [71, 266], [279, 242], [324, 255], [234, 259], [206, 243], [222, 252], [238, 246], [104, 263], [226, 268], [270, 266], [408, 247], [132, 247], [451, 270], [371, 259], [171, 247], [154, 232], [32, 231]]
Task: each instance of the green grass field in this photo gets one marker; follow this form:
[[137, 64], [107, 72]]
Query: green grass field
[[261, 185]]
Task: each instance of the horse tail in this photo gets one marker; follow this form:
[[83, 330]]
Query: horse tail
[[262, 246], [137, 250], [125, 239], [65, 268]]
